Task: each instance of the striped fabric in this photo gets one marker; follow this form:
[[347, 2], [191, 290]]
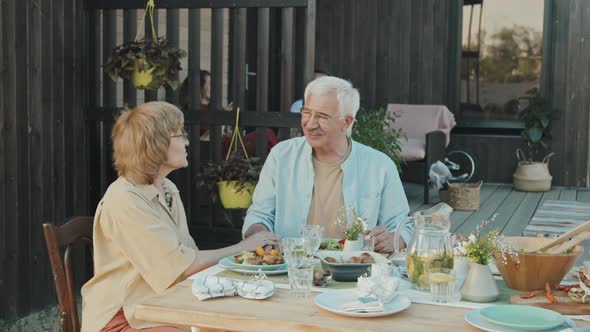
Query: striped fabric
[[557, 217]]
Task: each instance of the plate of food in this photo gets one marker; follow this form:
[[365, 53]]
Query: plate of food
[[348, 266], [265, 259], [332, 244]]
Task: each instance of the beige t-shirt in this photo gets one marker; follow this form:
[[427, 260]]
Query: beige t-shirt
[[327, 200], [140, 249]]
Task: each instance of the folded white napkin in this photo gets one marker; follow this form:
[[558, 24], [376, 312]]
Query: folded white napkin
[[381, 270], [256, 290], [212, 286], [384, 287], [364, 304]]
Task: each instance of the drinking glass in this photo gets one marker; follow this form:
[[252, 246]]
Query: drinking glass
[[293, 251], [312, 238], [300, 280], [368, 243], [442, 283]]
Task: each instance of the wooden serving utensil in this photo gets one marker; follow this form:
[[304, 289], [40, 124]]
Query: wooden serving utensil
[[578, 230], [569, 244]]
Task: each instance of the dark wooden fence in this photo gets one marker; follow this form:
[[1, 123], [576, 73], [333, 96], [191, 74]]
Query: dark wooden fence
[[210, 225], [57, 108], [43, 164]]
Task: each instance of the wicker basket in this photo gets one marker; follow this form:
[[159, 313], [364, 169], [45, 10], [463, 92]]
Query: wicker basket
[[443, 196], [532, 176], [464, 196]]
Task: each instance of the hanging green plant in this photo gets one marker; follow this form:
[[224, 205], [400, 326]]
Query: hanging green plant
[[232, 180], [147, 63]]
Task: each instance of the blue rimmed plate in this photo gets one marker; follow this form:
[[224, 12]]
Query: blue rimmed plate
[[474, 318], [228, 263], [522, 317]]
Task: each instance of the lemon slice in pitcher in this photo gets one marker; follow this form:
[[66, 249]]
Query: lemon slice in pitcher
[[424, 281], [439, 277]]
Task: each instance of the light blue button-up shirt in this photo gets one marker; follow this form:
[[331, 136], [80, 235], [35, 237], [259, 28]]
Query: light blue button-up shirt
[[370, 184]]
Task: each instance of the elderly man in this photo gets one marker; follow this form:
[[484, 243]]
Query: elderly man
[[312, 179]]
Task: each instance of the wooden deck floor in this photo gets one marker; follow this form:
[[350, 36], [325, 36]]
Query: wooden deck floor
[[514, 208]]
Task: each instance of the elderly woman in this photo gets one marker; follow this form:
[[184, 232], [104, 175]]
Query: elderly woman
[[142, 245], [311, 179]]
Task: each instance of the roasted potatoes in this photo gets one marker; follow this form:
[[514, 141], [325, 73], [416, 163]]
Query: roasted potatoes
[[269, 259]]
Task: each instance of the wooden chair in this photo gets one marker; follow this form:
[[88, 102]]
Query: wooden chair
[[75, 230], [427, 129]]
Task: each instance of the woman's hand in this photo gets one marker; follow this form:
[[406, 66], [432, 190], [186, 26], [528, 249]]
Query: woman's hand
[[259, 239]]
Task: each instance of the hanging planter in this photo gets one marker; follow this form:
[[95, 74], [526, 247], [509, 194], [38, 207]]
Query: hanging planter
[[234, 197], [233, 179], [148, 64], [140, 78]]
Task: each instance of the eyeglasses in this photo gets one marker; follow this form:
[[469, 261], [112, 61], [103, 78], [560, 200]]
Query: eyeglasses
[[183, 134], [306, 113]]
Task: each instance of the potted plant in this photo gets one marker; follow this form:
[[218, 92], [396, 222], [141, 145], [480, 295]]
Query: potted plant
[[232, 180], [479, 284], [370, 130], [531, 175], [353, 226], [147, 63]]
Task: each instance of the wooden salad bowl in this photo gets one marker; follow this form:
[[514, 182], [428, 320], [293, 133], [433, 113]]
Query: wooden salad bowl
[[532, 270]]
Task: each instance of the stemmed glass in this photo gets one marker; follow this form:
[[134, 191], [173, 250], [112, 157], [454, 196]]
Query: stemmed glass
[[312, 238]]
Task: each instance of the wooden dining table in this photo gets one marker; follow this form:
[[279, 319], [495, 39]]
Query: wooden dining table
[[282, 312]]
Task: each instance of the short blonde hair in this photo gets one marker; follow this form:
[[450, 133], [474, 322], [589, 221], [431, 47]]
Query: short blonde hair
[[141, 138]]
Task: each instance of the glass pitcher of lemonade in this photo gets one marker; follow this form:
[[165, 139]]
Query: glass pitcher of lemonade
[[430, 246]]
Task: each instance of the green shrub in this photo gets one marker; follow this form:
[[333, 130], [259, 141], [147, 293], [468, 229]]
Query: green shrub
[[370, 129]]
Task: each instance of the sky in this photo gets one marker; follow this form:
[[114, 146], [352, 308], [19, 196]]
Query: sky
[[504, 13]]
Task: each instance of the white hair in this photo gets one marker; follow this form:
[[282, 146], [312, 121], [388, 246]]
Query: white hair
[[347, 96]]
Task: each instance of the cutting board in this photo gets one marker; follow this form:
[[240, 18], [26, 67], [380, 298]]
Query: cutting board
[[564, 306]]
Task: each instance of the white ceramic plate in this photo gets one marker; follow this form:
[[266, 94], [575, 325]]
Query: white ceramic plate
[[224, 263], [333, 301], [474, 318]]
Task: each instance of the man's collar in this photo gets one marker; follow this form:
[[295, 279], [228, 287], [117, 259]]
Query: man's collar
[[308, 150]]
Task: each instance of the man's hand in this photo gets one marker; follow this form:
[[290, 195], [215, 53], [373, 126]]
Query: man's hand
[[260, 239], [384, 240], [256, 228]]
